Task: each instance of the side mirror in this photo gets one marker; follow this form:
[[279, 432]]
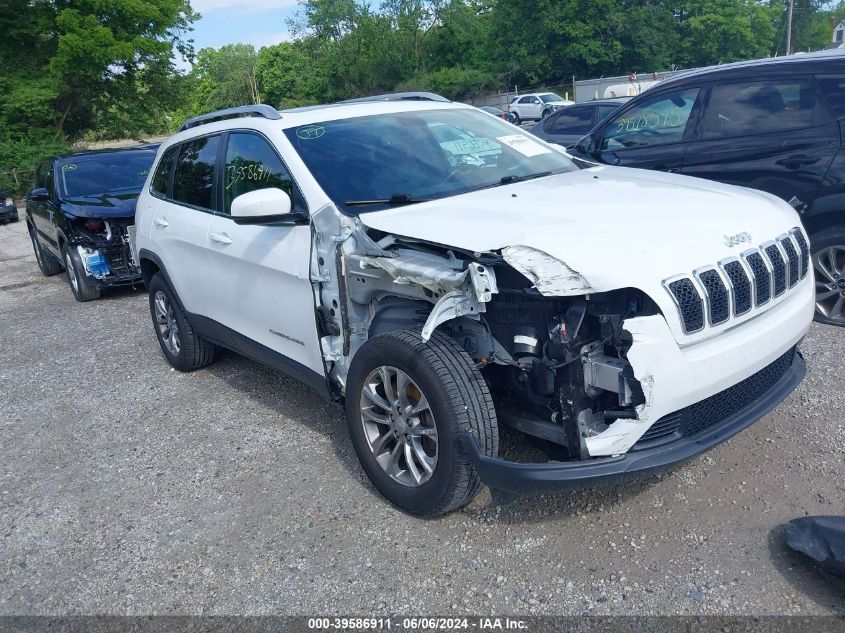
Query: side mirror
[[264, 206], [39, 194]]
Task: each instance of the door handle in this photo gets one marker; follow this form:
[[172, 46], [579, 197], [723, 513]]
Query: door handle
[[161, 223], [668, 170], [220, 238], [796, 161]]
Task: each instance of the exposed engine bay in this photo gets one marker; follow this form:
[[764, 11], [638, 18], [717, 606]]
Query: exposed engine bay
[[104, 247], [556, 363]]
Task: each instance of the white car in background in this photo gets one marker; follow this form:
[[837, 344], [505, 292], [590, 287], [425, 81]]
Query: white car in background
[[354, 247], [537, 105]]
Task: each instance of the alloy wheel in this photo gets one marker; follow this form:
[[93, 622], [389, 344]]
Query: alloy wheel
[[71, 272], [829, 264], [165, 319], [399, 426]]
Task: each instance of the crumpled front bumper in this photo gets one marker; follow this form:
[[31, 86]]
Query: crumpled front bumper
[[513, 478]]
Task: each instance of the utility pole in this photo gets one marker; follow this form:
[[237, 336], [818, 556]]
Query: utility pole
[[789, 28]]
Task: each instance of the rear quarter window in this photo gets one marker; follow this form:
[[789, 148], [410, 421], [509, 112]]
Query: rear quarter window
[[161, 179]]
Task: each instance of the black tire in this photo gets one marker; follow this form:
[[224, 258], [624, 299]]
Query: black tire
[[459, 401], [545, 113], [83, 287], [821, 241], [47, 263], [516, 119], [193, 351]]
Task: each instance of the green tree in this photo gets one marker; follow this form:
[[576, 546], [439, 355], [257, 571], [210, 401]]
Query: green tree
[[717, 31], [227, 76]]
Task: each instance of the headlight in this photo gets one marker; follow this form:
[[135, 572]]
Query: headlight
[[10, 202]]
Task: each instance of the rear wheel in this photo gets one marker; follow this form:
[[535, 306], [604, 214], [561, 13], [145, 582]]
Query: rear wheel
[[828, 257], [407, 402], [516, 119], [47, 263], [83, 287], [182, 346]]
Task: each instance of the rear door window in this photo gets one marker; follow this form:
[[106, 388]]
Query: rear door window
[[660, 120], [833, 89], [194, 181], [740, 109], [574, 120]]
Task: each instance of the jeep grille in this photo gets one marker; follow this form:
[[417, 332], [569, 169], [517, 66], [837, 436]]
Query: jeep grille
[[712, 295]]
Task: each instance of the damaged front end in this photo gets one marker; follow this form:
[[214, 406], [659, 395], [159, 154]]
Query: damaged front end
[[104, 246], [557, 365], [589, 374]]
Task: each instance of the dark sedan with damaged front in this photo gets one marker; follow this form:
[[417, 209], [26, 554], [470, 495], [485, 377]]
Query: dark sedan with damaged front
[[80, 213]]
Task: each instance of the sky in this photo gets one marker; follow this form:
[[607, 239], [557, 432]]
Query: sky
[[256, 22]]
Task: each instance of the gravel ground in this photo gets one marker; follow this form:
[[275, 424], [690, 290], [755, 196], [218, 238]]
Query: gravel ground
[[129, 488]]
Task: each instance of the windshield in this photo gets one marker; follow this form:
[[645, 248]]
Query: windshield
[[548, 98], [417, 156], [106, 174]]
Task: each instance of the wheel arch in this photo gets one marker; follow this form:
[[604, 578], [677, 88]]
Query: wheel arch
[[150, 265]]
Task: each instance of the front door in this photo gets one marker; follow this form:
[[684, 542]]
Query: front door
[[653, 134], [774, 135], [262, 272], [43, 211]]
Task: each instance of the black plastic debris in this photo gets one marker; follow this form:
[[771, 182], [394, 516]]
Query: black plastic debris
[[820, 538]]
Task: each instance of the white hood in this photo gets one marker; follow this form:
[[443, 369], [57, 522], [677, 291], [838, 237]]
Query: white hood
[[616, 227]]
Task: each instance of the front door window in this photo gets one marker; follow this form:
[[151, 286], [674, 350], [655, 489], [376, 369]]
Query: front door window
[[657, 121]]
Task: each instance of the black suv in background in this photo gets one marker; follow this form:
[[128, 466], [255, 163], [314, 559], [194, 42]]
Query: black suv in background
[[775, 124], [79, 214]]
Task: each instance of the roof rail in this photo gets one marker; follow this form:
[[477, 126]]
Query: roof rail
[[399, 96], [261, 110]]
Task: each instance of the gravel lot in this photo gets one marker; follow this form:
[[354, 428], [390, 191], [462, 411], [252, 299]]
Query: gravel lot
[[129, 488]]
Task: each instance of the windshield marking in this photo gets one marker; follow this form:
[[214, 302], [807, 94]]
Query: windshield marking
[[523, 145]]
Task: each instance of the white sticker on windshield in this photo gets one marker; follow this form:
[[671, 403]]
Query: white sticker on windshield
[[524, 145]]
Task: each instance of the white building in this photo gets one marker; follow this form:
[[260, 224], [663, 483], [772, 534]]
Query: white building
[[839, 35]]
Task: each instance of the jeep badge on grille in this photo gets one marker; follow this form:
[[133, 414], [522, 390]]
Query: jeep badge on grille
[[736, 240]]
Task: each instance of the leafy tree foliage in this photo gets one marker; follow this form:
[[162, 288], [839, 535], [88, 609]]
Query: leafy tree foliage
[[105, 68], [69, 66]]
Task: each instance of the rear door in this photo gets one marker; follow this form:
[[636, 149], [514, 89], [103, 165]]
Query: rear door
[[180, 226], [263, 272], [651, 134], [775, 135]]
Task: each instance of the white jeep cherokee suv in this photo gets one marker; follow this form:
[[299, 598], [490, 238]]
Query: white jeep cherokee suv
[[442, 290]]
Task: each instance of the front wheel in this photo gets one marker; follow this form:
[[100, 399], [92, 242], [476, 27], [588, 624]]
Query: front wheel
[[828, 257], [83, 287], [407, 402], [546, 113]]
